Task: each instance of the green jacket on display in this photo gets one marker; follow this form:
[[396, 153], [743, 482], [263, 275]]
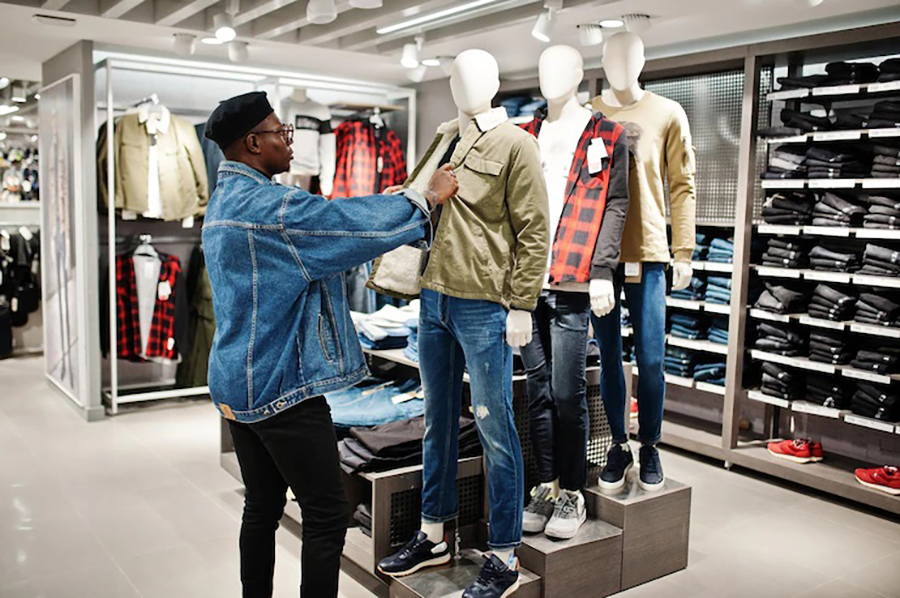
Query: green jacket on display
[[493, 236]]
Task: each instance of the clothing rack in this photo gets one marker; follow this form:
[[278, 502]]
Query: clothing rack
[[158, 240]]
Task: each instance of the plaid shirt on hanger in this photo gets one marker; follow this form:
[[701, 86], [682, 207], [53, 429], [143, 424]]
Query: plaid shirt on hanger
[[579, 253], [361, 149], [161, 343]]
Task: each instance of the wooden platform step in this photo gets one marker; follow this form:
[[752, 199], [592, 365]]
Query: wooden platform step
[[590, 564], [451, 580]]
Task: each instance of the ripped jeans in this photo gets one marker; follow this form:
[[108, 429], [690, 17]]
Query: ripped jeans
[[454, 332]]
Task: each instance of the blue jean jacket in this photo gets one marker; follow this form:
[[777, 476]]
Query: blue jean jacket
[[276, 256]]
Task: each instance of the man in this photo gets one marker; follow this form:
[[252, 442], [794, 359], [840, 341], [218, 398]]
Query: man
[[275, 256]]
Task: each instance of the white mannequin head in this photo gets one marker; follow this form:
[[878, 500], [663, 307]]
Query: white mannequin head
[[474, 82], [299, 95], [623, 60], [561, 71]]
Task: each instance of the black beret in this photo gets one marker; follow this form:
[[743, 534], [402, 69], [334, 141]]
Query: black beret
[[235, 117]]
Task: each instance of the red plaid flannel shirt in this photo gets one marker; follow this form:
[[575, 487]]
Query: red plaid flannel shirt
[[359, 146], [161, 343], [576, 238]]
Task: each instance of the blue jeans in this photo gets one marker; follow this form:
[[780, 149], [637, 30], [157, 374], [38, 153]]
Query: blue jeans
[[555, 362], [647, 303], [454, 332]]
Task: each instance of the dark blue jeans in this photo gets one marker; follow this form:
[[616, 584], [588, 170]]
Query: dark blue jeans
[[647, 303], [557, 387], [454, 332]]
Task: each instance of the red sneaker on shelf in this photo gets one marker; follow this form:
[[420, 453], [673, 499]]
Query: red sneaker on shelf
[[634, 409], [884, 479], [815, 449], [798, 451]]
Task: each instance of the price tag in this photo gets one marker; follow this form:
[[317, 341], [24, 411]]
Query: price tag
[[836, 90], [164, 290], [632, 269], [888, 86], [867, 376], [881, 183], [877, 330], [596, 154], [129, 215], [188, 222], [821, 323], [875, 133], [866, 422], [836, 135], [4, 240], [26, 233], [170, 343], [14, 304], [832, 183]]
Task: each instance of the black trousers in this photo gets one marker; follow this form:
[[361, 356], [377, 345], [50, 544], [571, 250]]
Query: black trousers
[[296, 448]]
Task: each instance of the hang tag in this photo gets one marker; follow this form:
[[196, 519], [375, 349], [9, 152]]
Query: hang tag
[[4, 240], [35, 267], [632, 269], [14, 304], [188, 222], [129, 215], [171, 343], [26, 233], [596, 154], [165, 290], [380, 164]]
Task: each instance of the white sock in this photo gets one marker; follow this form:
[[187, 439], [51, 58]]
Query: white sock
[[553, 487], [434, 531], [506, 556]]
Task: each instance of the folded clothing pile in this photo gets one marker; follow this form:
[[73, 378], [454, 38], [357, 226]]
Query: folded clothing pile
[[880, 261], [885, 115], [832, 210], [845, 73], [386, 328], [787, 162], [778, 339], [790, 207], [777, 381], [881, 360], [805, 121], [397, 444], [375, 401], [884, 210], [830, 346], [625, 316], [807, 82], [718, 289], [828, 392], [833, 260], [878, 310], [782, 299], [695, 291], [701, 247], [721, 250], [718, 330], [877, 402], [783, 254], [687, 326], [712, 372], [363, 516], [890, 70], [679, 362], [411, 351], [828, 303], [837, 162]]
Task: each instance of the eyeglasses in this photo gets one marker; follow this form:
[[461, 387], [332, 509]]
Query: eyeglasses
[[286, 132]]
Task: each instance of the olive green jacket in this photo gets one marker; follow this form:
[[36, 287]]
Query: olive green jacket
[[493, 236]]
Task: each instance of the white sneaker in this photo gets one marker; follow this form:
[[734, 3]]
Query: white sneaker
[[569, 515], [538, 511]]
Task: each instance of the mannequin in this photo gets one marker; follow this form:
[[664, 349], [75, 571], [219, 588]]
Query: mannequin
[[585, 165], [314, 143], [480, 283], [660, 140]]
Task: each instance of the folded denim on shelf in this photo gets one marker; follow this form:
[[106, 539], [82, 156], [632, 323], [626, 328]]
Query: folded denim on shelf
[[840, 359], [840, 204], [887, 266], [794, 202], [882, 304], [882, 200], [700, 252], [884, 175], [886, 150], [780, 131], [849, 120], [879, 220], [821, 252], [806, 82], [785, 165], [805, 121], [776, 175], [768, 302], [782, 244], [851, 72], [886, 160], [883, 211], [778, 332], [882, 254], [790, 298], [891, 65]]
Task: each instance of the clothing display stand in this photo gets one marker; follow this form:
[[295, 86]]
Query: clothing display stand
[[124, 70]]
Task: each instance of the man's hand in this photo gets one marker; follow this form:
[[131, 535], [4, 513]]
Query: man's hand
[[443, 184], [518, 328], [392, 190]]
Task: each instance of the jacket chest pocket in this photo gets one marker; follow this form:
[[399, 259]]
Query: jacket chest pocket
[[479, 178]]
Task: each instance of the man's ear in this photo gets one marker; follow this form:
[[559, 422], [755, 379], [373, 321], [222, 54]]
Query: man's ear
[[252, 144]]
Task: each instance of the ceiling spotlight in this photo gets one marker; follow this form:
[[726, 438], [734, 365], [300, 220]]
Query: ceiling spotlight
[[417, 75], [2, 136], [55, 21], [636, 23], [7, 109], [34, 138], [590, 34], [223, 23], [211, 41], [367, 4], [410, 56], [18, 94], [612, 23], [17, 118], [542, 27], [4, 81], [238, 52], [185, 43], [808, 3], [37, 96], [321, 12], [431, 62], [435, 16]]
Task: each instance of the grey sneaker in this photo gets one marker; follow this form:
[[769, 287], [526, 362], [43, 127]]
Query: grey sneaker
[[568, 517], [538, 511]]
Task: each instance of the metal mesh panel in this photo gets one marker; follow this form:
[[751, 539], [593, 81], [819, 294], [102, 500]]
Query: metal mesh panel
[[712, 103], [766, 79], [406, 508]]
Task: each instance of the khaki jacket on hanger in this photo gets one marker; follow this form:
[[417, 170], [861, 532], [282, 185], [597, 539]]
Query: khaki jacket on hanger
[[493, 236], [183, 182]]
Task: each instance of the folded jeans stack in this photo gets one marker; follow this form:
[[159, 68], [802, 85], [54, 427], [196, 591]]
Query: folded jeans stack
[[844, 73], [686, 326], [679, 362], [874, 309], [712, 372], [885, 115], [880, 261], [805, 121], [827, 303], [782, 299], [822, 258], [411, 351], [830, 346], [881, 360], [890, 70], [718, 290], [701, 247], [884, 211], [807, 82], [695, 291], [721, 250], [788, 160], [783, 254], [828, 392], [780, 382], [877, 402], [837, 163], [780, 340], [363, 516], [790, 207], [718, 330], [374, 402], [832, 210], [386, 328]]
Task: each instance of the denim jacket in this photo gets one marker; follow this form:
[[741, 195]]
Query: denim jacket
[[276, 256]]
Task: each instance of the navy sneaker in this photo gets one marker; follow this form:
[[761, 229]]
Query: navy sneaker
[[496, 580], [652, 477], [619, 461], [419, 553]]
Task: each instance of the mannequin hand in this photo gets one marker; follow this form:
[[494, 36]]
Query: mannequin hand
[[518, 328], [603, 297], [681, 275], [443, 183]]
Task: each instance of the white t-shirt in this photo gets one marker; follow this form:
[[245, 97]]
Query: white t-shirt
[[314, 142]]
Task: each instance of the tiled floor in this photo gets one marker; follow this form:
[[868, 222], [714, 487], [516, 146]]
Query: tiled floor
[[137, 506]]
